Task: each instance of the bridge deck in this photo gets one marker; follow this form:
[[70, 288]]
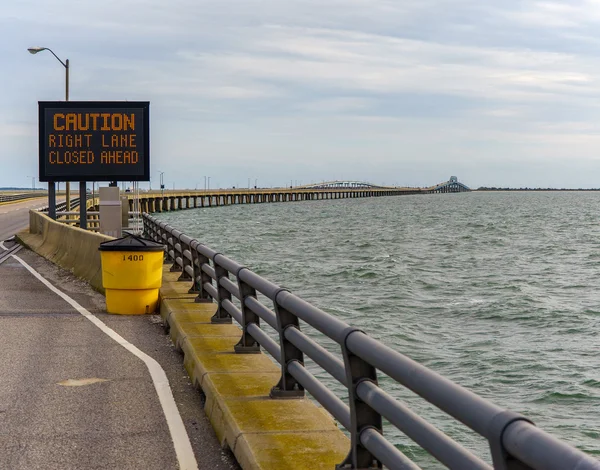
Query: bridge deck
[[49, 422]]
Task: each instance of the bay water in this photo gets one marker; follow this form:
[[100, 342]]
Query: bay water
[[497, 291]]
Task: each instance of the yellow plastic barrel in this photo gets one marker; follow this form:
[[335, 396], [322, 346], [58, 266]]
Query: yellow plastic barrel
[[131, 274]]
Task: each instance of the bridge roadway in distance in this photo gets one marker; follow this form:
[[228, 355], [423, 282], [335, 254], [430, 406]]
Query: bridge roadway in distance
[[14, 216], [161, 201], [46, 342]]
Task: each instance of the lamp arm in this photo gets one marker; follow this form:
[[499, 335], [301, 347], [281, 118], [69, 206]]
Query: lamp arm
[[64, 65]]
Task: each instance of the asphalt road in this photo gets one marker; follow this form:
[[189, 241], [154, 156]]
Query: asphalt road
[[15, 217], [113, 418]]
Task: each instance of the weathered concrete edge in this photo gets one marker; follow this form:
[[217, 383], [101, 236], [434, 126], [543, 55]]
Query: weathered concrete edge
[[71, 248], [249, 448]]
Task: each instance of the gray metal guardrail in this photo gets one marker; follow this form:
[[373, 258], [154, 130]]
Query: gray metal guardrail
[[19, 197], [62, 206], [514, 441]]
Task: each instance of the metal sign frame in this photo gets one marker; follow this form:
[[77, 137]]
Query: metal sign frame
[[83, 107]]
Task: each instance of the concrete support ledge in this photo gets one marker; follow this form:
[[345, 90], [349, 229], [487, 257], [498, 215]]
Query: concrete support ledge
[[71, 248], [262, 433]]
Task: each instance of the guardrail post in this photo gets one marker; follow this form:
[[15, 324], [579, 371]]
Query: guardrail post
[[184, 260], [501, 459], [152, 229], [199, 260], [148, 227], [288, 386], [221, 316], [196, 285], [174, 240], [247, 344], [362, 416], [165, 235]]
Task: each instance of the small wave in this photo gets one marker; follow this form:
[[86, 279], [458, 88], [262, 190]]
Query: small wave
[[559, 397], [368, 275], [364, 245], [589, 311], [592, 383]]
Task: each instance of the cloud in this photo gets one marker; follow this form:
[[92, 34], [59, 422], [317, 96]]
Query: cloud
[[441, 81], [18, 130]]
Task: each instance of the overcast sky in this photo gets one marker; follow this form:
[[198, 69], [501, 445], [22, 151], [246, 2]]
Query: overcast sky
[[407, 92]]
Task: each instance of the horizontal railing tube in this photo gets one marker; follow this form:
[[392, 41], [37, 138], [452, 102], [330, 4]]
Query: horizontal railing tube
[[206, 251], [263, 312], [227, 263], [338, 409], [209, 270], [542, 451], [385, 452], [322, 321], [434, 441], [455, 400], [185, 239], [265, 341], [230, 286], [212, 291], [232, 310], [317, 353], [267, 288], [190, 271]]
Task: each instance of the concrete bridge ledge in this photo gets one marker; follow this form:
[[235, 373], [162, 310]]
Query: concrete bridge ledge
[[262, 433]]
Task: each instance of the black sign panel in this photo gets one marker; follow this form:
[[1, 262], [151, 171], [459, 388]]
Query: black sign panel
[[94, 141]]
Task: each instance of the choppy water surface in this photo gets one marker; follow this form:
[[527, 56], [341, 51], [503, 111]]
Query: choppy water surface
[[497, 291]]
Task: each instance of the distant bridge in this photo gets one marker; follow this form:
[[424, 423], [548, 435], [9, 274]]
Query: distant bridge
[[342, 184], [162, 201], [175, 200], [450, 186]]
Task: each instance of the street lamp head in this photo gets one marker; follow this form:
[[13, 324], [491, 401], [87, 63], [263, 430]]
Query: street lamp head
[[35, 50]]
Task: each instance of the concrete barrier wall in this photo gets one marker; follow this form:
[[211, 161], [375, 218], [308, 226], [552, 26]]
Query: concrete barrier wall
[[69, 247]]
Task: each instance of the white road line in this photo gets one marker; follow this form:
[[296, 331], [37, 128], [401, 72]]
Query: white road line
[[5, 256], [181, 440]]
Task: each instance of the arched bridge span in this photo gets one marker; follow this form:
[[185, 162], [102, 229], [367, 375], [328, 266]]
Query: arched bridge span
[[450, 186]]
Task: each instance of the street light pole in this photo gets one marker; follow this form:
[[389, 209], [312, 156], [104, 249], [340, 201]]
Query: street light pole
[[51, 187], [162, 186]]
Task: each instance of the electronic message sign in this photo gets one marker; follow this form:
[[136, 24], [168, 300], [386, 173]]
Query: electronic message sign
[[94, 141]]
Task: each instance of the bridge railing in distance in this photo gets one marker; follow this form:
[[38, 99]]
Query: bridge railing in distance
[[514, 441], [62, 206], [19, 197]]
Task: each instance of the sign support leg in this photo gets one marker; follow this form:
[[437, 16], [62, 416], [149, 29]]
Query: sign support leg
[[82, 205], [51, 200]]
